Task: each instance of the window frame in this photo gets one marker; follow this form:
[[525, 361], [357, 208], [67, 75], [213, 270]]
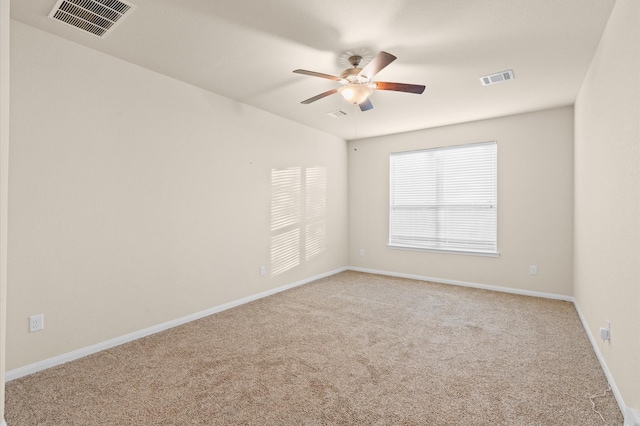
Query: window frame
[[490, 251]]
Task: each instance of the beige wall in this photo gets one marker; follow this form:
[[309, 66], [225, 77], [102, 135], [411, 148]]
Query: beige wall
[[4, 162], [136, 199], [535, 203], [607, 197]]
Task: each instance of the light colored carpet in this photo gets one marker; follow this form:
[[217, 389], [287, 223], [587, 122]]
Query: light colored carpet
[[352, 348]]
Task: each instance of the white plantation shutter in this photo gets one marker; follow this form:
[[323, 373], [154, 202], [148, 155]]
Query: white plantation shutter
[[445, 199]]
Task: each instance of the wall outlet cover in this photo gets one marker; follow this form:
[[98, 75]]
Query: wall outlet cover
[[36, 323]]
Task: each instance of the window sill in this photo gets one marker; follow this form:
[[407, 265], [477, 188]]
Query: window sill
[[444, 251]]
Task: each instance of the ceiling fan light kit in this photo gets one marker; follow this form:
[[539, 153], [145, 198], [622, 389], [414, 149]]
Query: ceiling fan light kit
[[355, 93], [356, 82]]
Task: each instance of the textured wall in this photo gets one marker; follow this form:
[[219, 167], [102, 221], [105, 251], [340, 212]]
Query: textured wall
[[607, 204], [535, 203], [136, 199], [4, 163]]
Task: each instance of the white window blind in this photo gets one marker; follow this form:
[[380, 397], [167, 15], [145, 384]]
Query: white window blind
[[445, 199]]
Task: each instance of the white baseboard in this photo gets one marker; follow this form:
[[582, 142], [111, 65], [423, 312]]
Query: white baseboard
[[70, 356], [631, 417], [467, 284]]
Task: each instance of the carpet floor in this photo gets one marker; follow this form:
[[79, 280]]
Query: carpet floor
[[350, 349]]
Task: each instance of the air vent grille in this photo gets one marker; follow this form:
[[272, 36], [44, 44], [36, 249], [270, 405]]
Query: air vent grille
[[337, 113], [96, 17], [498, 77]]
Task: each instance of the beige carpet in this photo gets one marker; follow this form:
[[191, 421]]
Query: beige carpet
[[350, 349]]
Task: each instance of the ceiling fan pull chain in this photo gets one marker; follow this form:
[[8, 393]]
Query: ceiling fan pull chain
[[355, 121]]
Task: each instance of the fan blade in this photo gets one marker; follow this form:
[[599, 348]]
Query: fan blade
[[317, 74], [376, 65], [400, 87], [320, 96], [366, 105]]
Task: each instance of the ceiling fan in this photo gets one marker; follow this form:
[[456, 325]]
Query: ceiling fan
[[356, 82]]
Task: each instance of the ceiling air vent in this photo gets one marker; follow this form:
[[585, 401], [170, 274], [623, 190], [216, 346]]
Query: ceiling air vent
[[496, 78], [96, 17], [337, 113]]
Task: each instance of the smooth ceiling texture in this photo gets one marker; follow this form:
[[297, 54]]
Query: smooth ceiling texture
[[246, 50]]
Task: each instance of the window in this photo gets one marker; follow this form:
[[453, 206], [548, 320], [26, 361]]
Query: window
[[445, 199]]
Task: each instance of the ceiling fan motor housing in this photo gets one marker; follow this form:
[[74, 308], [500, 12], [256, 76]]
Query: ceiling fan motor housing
[[351, 76], [350, 72]]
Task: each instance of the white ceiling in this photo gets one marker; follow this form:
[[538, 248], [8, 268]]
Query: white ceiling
[[246, 50]]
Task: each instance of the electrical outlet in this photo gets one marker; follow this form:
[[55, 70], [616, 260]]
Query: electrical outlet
[[533, 270], [262, 270], [36, 323], [605, 333], [361, 252]]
